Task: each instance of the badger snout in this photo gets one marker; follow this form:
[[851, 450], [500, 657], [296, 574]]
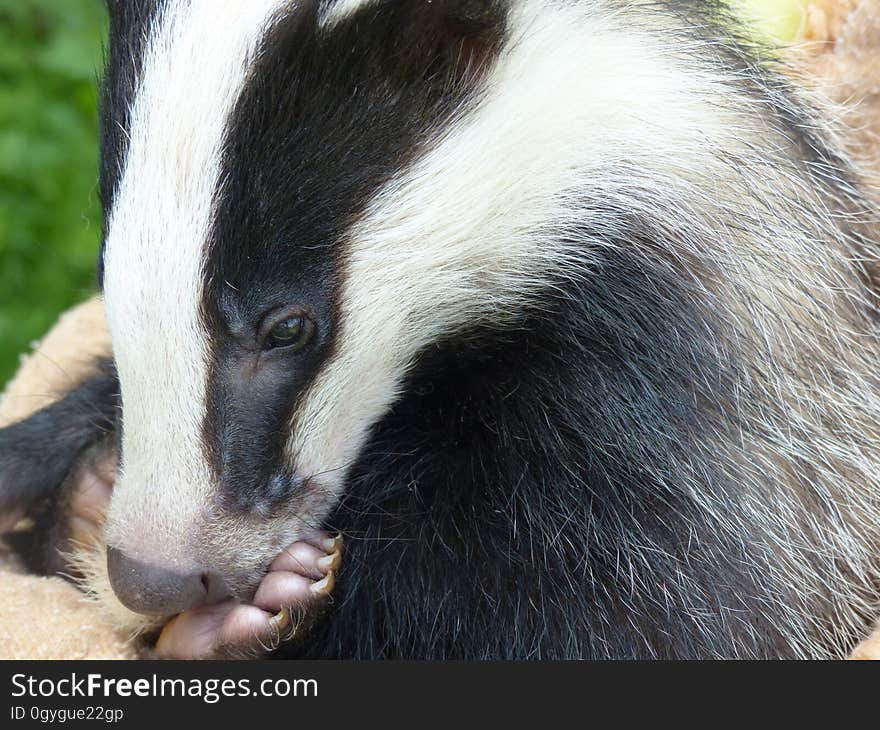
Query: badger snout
[[157, 591]]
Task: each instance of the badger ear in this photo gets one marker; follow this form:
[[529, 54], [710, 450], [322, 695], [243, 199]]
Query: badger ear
[[449, 40]]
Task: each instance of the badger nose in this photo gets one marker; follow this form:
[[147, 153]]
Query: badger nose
[[156, 591]]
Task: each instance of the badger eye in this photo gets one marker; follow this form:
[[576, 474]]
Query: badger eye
[[294, 332]]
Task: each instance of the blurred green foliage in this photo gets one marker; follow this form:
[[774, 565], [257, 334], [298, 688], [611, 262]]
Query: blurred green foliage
[[50, 217], [773, 20]]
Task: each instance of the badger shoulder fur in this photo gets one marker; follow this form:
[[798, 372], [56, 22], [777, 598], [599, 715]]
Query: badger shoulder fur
[[562, 313]]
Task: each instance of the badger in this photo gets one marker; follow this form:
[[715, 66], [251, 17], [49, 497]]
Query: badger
[[561, 314]]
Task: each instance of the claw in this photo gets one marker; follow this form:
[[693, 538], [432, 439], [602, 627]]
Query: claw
[[280, 621], [332, 544], [330, 563], [324, 587]]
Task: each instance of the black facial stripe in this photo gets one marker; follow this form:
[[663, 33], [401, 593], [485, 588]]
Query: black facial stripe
[[130, 22], [327, 117]]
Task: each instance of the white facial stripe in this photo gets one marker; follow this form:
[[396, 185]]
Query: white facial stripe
[[194, 69], [455, 237]]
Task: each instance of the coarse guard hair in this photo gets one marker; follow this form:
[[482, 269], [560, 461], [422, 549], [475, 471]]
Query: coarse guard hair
[[591, 299]]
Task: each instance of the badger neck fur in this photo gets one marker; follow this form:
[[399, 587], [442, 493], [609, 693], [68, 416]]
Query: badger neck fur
[[594, 321]]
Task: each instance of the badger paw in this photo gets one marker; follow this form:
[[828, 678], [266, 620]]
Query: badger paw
[[298, 584], [90, 500], [52, 533]]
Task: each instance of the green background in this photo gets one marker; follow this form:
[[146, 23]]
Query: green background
[[50, 218], [50, 215]]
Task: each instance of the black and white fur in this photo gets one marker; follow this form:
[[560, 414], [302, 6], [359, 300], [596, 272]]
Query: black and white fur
[[593, 372]]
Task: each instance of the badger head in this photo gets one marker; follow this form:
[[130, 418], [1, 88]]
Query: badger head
[[264, 293], [302, 196]]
